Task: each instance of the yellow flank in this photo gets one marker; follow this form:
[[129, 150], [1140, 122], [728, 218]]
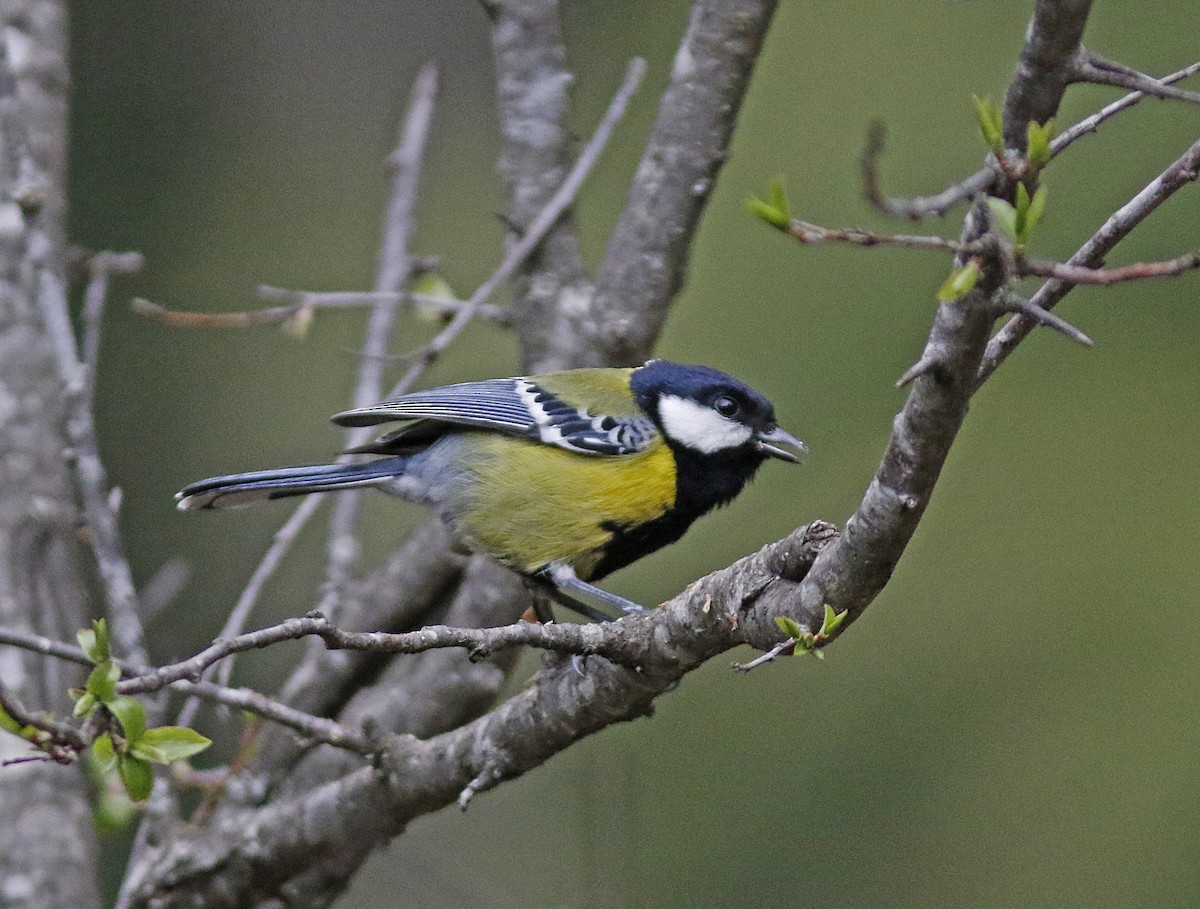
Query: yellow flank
[[534, 504]]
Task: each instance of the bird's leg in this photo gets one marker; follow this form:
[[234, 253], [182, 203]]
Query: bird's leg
[[565, 584]]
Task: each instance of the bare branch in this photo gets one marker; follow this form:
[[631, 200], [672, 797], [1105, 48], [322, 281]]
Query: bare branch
[[1091, 67], [536, 232], [1092, 123], [1015, 303], [90, 477], [1183, 171], [1078, 274], [917, 207], [302, 301], [532, 86], [806, 233], [1053, 40], [101, 266], [647, 257], [561, 706], [395, 267], [314, 728]]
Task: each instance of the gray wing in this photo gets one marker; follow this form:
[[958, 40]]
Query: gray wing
[[517, 406], [492, 404]]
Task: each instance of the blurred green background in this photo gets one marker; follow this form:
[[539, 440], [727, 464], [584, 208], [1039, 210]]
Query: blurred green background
[[1015, 721]]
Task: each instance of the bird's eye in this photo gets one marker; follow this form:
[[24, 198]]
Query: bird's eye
[[726, 406]]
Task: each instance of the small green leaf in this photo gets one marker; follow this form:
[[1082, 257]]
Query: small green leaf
[[959, 284], [775, 210], [1004, 215], [8, 724], [84, 705], [298, 323], [431, 284], [174, 743], [991, 123], [777, 196], [833, 620], [136, 776], [94, 641], [149, 753], [1033, 213], [87, 643], [102, 683], [767, 213], [130, 715], [112, 811], [102, 751], [1020, 222], [1037, 146], [789, 627]]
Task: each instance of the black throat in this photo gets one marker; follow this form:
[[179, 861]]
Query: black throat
[[702, 482]]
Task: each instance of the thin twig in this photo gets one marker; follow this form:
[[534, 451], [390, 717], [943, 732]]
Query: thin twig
[[917, 207], [768, 656], [302, 301], [1015, 303], [101, 266], [320, 299], [315, 728], [394, 270], [1078, 274], [609, 639], [1091, 67], [809, 234], [1020, 266], [1181, 172], [61, 741], [104, 534], [559, 202], [266, 568], [1092, 123]]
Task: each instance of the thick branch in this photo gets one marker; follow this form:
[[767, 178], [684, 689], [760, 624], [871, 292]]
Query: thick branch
[[257, 849], [47, 842], [1045, 68], [532, 83], [647, 256]]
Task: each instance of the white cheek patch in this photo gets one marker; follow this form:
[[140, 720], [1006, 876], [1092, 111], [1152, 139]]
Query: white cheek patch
[[699, 427]]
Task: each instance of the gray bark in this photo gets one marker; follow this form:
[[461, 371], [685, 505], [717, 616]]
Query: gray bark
[[47, 846]]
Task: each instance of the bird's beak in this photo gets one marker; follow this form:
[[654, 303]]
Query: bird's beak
[[768, 443]]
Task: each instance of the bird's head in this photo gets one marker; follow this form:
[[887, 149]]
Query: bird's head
[[706, 412]]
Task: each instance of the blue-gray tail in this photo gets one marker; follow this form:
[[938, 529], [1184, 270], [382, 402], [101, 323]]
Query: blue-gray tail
[[263, 485]]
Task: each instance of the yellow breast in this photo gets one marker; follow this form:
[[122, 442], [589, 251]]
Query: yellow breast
[[531, 504]]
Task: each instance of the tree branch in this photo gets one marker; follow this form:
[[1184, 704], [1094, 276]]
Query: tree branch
[[1183, 171], [647, 256], [416, 777], [395, 266], [1045, 68], [919, 207], [313, 728], [47, 841], [532, 83]]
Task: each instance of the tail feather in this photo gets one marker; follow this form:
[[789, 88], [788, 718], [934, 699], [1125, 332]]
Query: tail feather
[[263, 485]]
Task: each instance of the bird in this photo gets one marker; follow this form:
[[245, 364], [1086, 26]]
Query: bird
[[563, 477]]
